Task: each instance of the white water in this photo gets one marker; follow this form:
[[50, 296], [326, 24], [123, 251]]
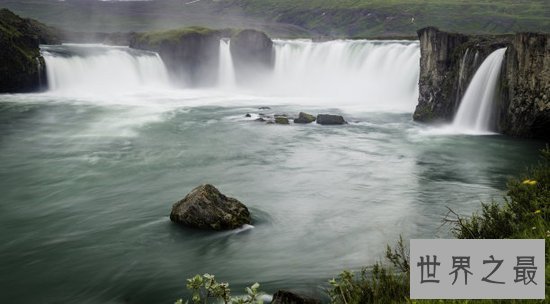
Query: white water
[[371, 75], [477, 106], [226, 74], [102, 70], [346, 74]]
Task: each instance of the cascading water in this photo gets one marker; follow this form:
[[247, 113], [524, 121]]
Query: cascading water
[[97, 69], [348, 74], [226, 76], [372, 75], [476, 108]]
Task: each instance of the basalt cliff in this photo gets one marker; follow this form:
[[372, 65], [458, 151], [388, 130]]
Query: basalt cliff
[[21, 66], [449, 61]]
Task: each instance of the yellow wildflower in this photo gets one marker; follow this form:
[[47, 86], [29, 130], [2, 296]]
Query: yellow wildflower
[[529, 182], [538, 211]]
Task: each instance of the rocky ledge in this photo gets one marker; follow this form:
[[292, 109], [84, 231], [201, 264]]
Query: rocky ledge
[[21, 65], [206, 208]]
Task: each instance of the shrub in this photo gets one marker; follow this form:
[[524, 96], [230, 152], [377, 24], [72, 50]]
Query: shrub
[[205, 288], [378, 284]]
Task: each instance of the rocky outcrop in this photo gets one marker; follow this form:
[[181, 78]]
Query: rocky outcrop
[[206, 208], [525, 100], [449, 61], [329, 119], [281, 120], [21, 65], [287, 297], [191, 55], [252, 53], [304, 118]]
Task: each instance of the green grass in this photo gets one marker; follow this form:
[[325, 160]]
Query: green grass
[[343, 18], [155, 38]]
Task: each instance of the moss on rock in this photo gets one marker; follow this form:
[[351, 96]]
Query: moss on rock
[[21, 65]]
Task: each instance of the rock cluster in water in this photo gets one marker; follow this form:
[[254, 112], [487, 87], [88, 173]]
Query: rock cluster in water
[[206, 208], [303, 118]]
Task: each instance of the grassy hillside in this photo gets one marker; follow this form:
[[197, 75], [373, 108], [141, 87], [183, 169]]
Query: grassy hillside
[[403, 17], [364, 18]]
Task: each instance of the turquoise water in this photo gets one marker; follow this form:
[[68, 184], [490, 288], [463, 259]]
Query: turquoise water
[[87, 188]]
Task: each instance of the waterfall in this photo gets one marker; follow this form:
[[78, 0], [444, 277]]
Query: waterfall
[[373, 75], [353, 74], [98, 69], [461, 75], [476, 108], [40, 71], [226, 77]]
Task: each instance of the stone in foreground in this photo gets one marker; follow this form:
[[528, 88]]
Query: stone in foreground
[[304, 118], [206, 208], [287, 297], [328, 119]]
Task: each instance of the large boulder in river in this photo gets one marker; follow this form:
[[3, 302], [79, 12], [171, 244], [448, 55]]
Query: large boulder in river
[[304, 118], [206, 208], [328, 119], [252, 54], [287, 297]]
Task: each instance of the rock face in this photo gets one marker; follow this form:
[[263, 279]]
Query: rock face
[[206, 208], [21, 65], [252, 53], [328, 119], [304, 118], [449, 61], [525, 107], [287, 297], [191, 55]]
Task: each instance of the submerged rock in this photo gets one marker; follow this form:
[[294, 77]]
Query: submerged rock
[[264, 108], [248, 115], [304, 118], [328, 119], [287, 297], [282, 120], [206, 208], [260, 119]]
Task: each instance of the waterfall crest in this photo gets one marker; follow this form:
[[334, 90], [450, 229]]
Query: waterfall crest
[[477, 106]]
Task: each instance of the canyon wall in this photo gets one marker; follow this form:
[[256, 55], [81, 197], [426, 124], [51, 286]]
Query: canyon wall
[[449, 61], [22, 68]]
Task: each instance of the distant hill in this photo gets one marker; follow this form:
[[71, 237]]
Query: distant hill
[[293, 18]]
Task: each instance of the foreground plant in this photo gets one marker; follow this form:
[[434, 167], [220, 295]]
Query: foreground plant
[[377, 284], [205, 289]]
